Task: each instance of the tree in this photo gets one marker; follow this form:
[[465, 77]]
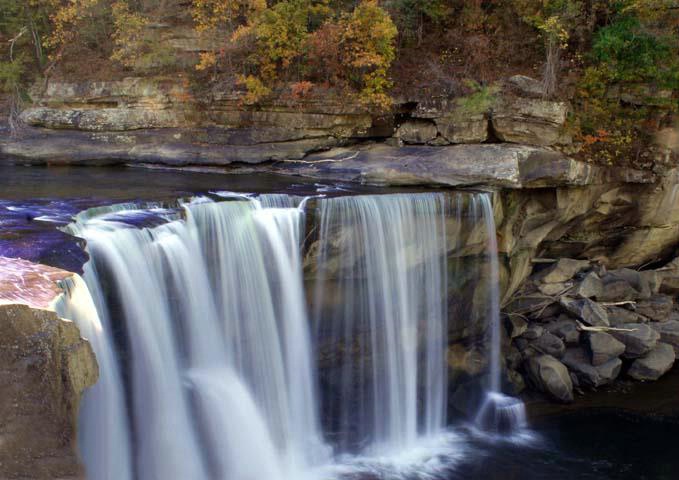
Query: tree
[[554, 19], [368, 44], [411, 15]]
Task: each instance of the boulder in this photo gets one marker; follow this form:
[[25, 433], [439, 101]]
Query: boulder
[[417, 131], [566, 329], [563, 270], [550, 344], [590, 286], [530, 121], [669, 333], [553, 289], [657, 308], [654, 364], [550, 376], [533, 332], [639, 341], [526, 86], [577, 360], [638, 281], [516, 325], [603, 347], [467, 361], [617, 291], [513, 358], [463, 128], [590, 312], [619, 316]]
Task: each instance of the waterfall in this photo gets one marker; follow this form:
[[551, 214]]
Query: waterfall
[[383, 260], [216, 338], [211, 358]]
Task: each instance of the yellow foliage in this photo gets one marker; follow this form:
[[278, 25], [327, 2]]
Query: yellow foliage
[[368, 42], [65, 18], [207, 61], [211, 14], [128, 36], [256, 90]]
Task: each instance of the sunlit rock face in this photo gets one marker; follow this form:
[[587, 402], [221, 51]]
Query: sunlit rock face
[[45, 366], [31, 284]]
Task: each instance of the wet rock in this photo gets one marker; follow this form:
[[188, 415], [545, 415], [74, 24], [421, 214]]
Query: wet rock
[[566, 329], [513, 358], [654, 364], [468, 361], [550, 376], [619, 317], [577, 360], [657, 308], [553, 289], [417, 131], [617, 291], [562, 271], [533, 332], [637, 281], [516, 325], [588, 311], [515, 379], [639, 341], [669, 333], [550, 344], [590, 286], [603, 347]]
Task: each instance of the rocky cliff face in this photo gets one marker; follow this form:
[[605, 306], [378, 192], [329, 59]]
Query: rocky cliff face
[[44, 368]]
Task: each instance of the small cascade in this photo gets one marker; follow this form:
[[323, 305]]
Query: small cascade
[[498, 412]]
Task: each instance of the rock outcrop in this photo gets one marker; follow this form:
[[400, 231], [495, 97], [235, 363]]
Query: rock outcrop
[[45, 367]]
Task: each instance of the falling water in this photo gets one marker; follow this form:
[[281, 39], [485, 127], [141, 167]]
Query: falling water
[[382, 259], [202, 332], [498, 412], [103, 433], [219, 353]]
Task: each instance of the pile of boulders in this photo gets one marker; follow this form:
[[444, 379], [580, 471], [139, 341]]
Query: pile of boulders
[[577, 325]]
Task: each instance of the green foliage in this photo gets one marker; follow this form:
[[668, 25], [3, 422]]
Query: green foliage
[[11, 75], [633, 57], [625, 52], [480, 100], [411, 15]]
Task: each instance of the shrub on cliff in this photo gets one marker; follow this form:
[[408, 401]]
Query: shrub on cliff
[[134, 47], [302, 41], [625, 92]]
